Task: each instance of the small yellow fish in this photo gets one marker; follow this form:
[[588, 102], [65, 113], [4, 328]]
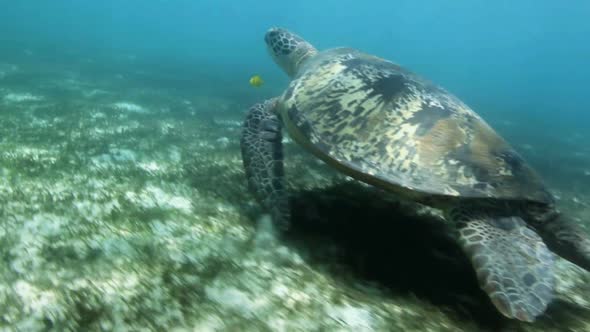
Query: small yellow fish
[[256, 81]]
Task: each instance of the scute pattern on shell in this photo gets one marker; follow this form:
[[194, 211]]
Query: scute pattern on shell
[[369, 115]]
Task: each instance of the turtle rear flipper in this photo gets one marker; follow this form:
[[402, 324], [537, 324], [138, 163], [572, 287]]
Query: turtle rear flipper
[[568, 240], [262, 155], [513, 265]]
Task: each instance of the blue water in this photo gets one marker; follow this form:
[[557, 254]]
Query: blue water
[[506, 59]]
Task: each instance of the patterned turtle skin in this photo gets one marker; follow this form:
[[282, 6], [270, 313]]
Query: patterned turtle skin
[[388, 127]]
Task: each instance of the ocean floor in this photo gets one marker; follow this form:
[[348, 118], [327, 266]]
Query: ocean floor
[[124, 208]]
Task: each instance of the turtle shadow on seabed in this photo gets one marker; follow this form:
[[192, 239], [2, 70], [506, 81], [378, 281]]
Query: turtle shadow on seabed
[[407, 253]]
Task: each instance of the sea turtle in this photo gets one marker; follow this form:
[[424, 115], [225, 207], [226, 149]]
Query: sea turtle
[[386, 126]]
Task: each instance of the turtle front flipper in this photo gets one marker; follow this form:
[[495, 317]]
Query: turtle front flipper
[[513, 265], [262, 155]]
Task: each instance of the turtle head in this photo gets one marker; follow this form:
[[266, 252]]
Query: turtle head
[[288, 50]]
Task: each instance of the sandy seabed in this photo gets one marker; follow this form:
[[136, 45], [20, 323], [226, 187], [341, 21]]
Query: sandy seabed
[[125, 208]]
